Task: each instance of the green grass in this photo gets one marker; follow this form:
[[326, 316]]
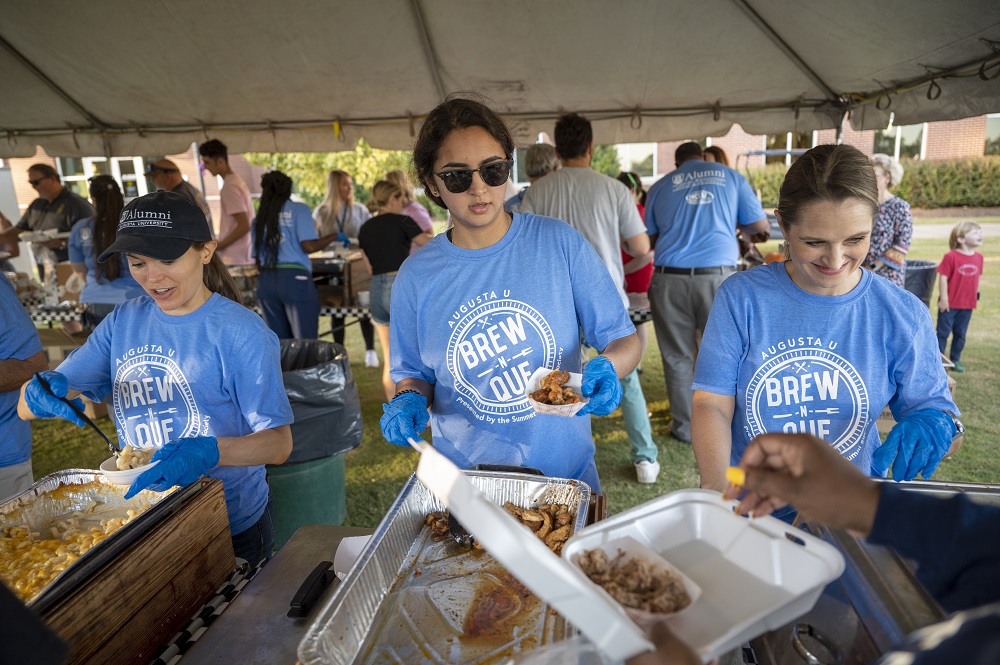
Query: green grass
[[376, 471], [923, 221]]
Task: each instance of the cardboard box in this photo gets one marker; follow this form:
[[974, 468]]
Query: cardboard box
[[57, 344], [68, 282]]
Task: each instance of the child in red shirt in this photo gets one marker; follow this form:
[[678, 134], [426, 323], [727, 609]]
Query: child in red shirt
[[958, 288]]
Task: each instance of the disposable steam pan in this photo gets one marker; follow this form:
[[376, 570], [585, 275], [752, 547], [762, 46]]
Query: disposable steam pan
[[755, 574], [409, 599]]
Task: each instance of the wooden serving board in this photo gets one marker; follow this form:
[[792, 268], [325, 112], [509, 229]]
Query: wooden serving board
[[126, 610]]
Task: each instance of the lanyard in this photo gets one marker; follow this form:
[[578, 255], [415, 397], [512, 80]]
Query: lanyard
[[342, 218]]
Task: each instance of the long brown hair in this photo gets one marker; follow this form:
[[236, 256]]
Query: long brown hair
[[217, 278], [108, 204]]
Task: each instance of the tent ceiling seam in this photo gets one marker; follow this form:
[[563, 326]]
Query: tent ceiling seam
[[783, 46], [41, 76], [429, 53]]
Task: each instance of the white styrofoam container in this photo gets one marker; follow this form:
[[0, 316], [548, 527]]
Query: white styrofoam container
[[755, 574]]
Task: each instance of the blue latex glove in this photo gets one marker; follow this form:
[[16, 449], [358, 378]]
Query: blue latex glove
[[915, 445], [405, 416], [181, 462], [601, 385], [44, 405], [342, 237]]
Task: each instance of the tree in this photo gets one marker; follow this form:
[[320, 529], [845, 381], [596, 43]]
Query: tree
[[308, 170], [605, 160]]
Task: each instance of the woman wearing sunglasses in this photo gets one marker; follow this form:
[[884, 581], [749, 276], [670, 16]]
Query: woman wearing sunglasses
[[481, 307], [385, 240]]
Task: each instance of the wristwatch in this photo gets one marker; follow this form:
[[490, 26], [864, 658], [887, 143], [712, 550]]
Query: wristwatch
[[959, 427]]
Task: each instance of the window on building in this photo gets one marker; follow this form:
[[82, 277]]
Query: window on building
[[992, 135], [75, 171], [638, 157], [901, 142], [787, 141]]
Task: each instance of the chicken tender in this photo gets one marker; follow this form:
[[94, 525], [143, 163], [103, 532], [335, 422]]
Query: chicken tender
[[554, 390]]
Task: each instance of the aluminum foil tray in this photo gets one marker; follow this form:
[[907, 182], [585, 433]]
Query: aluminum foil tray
[[59, 494], [411, 600]]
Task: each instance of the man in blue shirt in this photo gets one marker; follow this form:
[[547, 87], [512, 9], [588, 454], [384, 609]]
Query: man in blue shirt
[[691, 216]]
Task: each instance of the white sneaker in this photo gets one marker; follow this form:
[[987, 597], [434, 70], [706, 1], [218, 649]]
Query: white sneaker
[[646, 471], [371, 358]]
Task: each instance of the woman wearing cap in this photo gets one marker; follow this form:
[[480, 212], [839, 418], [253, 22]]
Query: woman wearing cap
[[193, 373], [283, 237], [109, 283], [481, 307]]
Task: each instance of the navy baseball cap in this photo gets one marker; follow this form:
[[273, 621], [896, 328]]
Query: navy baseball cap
[[162, 226]]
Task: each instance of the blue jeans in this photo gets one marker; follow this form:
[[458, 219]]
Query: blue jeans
[[289, 302], [380, 293], [257, 542], [636, 417], [954, 322]]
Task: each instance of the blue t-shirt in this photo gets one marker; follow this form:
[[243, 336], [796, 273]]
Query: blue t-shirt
[[98, 289], [476, 323], [694, 211], [822, 365], [296, 224], [213, 372], [18, 341]]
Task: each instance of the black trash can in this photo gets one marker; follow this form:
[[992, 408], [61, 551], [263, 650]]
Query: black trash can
[[310, 488], [919, 279]]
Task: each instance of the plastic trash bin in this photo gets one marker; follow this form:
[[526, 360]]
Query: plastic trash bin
[[309, 488], [919, 279]]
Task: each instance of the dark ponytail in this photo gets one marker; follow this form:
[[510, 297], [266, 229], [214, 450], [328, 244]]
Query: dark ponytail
[[108, 204], [276, 188]]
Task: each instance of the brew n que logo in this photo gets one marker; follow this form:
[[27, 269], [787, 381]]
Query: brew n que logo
[[494, 347], [153, 402], [813, 391]]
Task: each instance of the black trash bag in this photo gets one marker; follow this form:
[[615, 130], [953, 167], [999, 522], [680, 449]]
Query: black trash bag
[[324, 399], [919, 279]]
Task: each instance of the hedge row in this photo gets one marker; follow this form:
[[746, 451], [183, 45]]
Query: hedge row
[[926, 184]]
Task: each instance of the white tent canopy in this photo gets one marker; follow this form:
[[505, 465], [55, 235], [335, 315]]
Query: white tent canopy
[[121, 77]]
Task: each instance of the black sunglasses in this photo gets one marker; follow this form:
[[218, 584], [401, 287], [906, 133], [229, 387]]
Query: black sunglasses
[[34, 183], [493, 174]]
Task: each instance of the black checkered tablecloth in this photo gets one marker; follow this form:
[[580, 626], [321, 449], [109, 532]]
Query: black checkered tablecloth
[[203, 618]]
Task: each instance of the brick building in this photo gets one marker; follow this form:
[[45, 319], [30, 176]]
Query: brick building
[[953, 139]]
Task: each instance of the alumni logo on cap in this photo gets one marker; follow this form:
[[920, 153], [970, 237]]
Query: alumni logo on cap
[[140, 218]]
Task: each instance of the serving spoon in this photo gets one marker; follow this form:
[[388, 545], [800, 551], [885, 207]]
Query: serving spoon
[[113, 447]]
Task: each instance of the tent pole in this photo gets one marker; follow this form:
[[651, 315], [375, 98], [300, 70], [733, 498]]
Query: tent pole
[[65, 96], [840, 129], [786, 49], [425, 39]]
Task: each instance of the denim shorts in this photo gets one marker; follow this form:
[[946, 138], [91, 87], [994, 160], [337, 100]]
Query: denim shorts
[[381, 294]]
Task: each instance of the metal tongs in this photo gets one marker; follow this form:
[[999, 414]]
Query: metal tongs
[[112, 446]]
